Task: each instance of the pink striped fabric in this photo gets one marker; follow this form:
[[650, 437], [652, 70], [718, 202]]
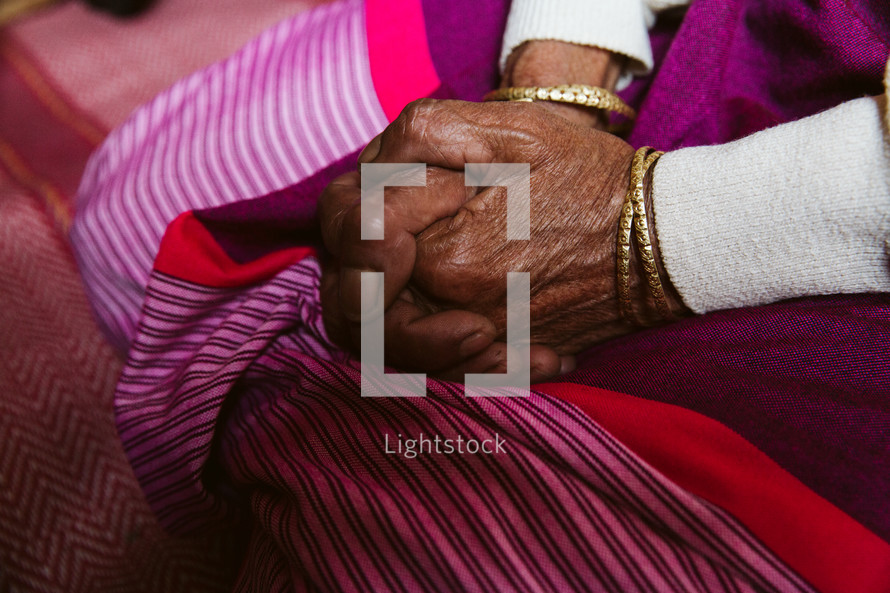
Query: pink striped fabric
[[236, 412], [210, 140]]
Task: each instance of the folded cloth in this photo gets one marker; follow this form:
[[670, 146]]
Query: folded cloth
[[751, 455], [73, 518], [239, 416]]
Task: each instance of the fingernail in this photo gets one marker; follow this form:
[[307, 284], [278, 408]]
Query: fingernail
[[370, 152], [359, 293], [567, 364], [473, 344]]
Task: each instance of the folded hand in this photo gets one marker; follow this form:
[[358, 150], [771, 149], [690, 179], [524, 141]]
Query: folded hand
[[445, 253]]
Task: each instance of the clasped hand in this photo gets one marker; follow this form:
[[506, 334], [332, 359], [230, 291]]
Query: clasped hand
[[445, 255]]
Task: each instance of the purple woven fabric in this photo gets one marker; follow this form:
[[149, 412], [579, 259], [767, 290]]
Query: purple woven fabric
[[806, 381], [465, 50], [738, 66]]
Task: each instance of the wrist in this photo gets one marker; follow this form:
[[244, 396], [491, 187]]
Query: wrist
[[550, 63], [647, 310], [645, 294], [545, 63]]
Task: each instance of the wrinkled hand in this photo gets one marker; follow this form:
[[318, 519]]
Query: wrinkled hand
[[552, 63], [447, 343], [444, 321]]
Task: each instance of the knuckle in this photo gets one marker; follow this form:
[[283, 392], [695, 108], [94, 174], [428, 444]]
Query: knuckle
[[454, 276], [418, 108], [415, 117]]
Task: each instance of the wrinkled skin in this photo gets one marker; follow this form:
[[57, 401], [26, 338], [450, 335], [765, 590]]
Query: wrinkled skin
[[552, 63], [445, 254]]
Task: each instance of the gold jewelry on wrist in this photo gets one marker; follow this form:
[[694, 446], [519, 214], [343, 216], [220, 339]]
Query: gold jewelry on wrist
[[641, 225], [575, 94], [625, 230], [633, 215]]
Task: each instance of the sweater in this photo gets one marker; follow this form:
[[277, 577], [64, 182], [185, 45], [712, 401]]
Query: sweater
[[801, 209]]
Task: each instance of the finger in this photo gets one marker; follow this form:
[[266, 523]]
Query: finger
[[406, 212], [369, 152], [412, 209], [492, 359], [429, 342], [338, 198], [544, 363], [567, 364], [449, 134], [335, 325]]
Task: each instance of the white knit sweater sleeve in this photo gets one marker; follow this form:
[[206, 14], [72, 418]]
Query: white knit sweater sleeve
[[619, 26], [799, 209]]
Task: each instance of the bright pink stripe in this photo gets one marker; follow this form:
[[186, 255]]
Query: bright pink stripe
[[401, 65], [269, 116]]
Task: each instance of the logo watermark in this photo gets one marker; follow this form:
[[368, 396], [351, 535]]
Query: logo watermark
[[516, 381], [410, 448]]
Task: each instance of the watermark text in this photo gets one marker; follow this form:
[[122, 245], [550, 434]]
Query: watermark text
[[439, 445]]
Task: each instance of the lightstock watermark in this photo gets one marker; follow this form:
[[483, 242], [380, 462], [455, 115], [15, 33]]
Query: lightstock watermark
[[516, 178], [410, 448]]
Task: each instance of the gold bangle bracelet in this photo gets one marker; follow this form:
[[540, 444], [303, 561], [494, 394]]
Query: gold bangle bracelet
[[633, 216], [625, 226], [575, 94], [641, 226]]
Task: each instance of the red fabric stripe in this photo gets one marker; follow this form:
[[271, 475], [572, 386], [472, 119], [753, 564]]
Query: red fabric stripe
[[189, 251], [401, 65], [822, 543]]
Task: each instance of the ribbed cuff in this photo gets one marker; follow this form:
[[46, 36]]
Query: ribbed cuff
[[619, 26], [797, 210]]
